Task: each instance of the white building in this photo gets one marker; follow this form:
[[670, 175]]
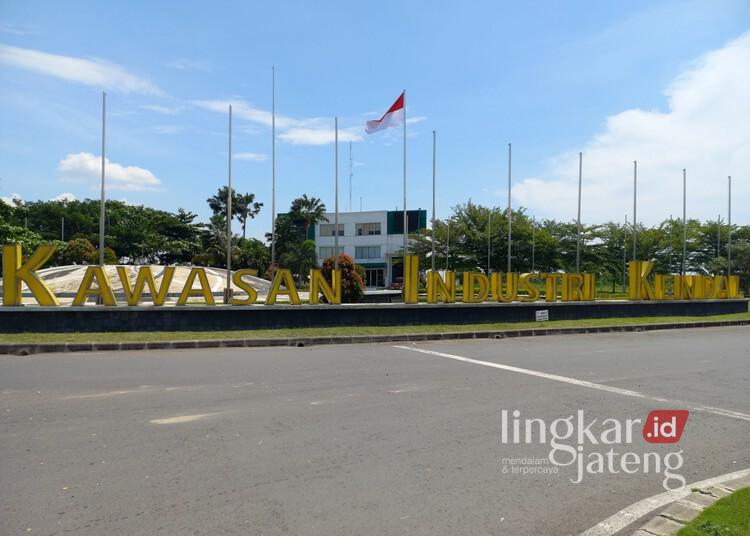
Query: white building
[[374, 240]]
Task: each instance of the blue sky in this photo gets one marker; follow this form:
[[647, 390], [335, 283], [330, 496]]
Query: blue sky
[[662, 82]]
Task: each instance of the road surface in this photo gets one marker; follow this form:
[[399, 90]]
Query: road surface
[[354, 439]]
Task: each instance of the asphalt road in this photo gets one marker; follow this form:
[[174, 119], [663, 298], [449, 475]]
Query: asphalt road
[[361, 439]]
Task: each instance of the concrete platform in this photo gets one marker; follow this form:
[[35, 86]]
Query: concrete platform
[[207, 318]]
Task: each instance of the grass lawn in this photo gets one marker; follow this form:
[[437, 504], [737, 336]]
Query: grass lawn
[[729, 516], [353, 330]]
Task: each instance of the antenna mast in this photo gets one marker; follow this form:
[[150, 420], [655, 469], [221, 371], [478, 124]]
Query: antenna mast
[[351, 175]]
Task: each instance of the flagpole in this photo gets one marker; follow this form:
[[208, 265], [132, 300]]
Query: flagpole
[[102, 209], [684, 221], [578, 234], [729, 229], [406, 221], [489, 238], [447, 244], [718, 235], [635, 219], [510, 214], [533, 243], [228, 289], [625, 252], [273, 165], [336, 221], [433, 199]]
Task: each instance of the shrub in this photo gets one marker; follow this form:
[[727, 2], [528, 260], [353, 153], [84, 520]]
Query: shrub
[[352, 284]]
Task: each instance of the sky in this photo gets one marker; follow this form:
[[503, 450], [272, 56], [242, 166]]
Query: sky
[[663, 83]]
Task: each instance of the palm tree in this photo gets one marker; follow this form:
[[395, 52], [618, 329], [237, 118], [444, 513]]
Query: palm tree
[[302, 256], [247, 208], [310, 210], [244, 206]]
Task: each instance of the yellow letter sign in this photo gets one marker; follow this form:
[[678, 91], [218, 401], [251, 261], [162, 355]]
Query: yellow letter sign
[[14, 273]]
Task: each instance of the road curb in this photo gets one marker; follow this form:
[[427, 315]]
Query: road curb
[[42, 348], [681, 512]]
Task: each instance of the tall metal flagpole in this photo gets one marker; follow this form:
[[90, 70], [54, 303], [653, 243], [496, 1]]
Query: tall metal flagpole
[[718, 235], [406, 226], [273, 165], [336, 219], [635, 216], [510, 214], [228, 289], [533, 243], [729, 230], [624, 253], [489, 238], [578, 234], [102, 209], [447, 244], [684, 222], [433, 199]]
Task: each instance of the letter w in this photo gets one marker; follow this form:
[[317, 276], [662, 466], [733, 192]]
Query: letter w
[[143, 278]]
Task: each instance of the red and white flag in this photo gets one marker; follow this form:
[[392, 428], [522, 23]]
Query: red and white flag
[[394, 117]]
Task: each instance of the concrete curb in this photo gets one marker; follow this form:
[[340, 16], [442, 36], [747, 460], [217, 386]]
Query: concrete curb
[[41, 348], [681, 512]]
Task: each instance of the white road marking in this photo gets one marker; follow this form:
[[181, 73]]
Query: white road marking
[[584, 383], [635, 511], [179, 419], [104, 395], [141, 389]]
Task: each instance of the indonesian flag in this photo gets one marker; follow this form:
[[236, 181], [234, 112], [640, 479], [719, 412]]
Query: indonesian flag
[[394, 117]]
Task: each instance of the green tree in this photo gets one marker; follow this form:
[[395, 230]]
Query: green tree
[[247, 209], [310, 210], [79, 251], [300, 256]]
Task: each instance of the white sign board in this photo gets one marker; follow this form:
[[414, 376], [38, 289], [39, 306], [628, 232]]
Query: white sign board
[[542, 316]]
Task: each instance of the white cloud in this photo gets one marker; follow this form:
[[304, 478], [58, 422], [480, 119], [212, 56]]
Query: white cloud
[[246, 111], [168, 129], [165, 110], [11, 29], [13, 200], [67, 196], [87, 167], [93, 72], [320, 136], [415, 119], [185, 64], [705, 130], [310, 131], [256, 157]]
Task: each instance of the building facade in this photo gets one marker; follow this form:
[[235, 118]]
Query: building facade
[[374, 239]]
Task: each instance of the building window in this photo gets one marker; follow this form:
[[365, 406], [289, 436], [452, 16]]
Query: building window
[[374, 277], [367, 252], [327, 251], [364, 229], [328, 229]]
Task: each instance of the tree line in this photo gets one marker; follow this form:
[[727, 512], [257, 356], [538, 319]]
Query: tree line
[[135, 234]]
